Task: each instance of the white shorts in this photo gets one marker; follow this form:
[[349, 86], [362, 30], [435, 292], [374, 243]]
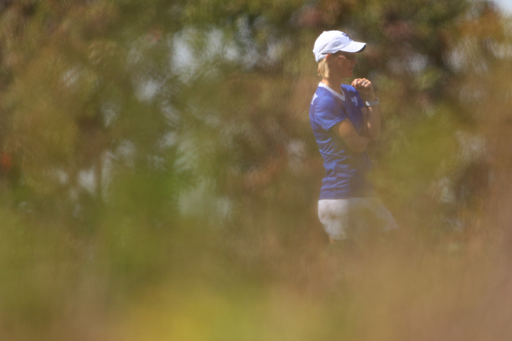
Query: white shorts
[[344, 218]]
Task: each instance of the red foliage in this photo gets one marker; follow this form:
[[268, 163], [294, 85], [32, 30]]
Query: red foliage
[[5, 162]]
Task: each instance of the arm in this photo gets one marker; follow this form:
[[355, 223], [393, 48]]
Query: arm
[[372, 118], [346, 131], [330, 116], [371, 114]]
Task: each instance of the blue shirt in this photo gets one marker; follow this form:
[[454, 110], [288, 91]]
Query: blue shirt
[[345, 170]]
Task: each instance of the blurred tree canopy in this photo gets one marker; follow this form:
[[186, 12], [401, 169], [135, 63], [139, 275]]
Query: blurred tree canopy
[[213, 96], [135, 132]]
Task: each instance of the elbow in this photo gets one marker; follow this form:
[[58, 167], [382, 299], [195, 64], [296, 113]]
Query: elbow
[[359, 150], [374, 132], [359, 147], [375, 136]]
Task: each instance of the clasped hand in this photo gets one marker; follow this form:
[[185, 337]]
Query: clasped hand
[[365, 88]]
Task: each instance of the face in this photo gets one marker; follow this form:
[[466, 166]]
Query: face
[[344, 63]]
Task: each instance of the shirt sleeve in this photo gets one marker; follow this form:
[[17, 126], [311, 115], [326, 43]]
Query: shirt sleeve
[[328, 112], [360, 102]]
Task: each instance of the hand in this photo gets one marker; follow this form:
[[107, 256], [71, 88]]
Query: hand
[[365, 88]]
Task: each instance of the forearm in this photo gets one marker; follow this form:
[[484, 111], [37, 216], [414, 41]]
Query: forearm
[[359, 145], [345, 130], [372, 110], [373, 122]]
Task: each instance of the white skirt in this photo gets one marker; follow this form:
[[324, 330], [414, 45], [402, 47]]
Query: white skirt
[[345, 218]]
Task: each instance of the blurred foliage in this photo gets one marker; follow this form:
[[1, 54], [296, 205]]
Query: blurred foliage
[[159, 177]]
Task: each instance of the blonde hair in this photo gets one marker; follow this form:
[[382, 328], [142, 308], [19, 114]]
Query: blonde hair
[[323, 68]]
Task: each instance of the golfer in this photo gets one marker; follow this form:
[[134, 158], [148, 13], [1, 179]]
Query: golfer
[[344, 119]]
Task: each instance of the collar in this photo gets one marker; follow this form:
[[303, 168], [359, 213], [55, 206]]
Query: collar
[[326, 87]]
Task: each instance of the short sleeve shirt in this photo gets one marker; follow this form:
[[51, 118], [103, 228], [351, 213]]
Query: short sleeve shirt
[[345, 170]]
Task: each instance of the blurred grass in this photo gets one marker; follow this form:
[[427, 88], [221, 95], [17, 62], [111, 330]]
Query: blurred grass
[[134, 284], [381, 292]]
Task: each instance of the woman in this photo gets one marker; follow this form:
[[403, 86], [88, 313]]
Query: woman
[[344, 119]]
